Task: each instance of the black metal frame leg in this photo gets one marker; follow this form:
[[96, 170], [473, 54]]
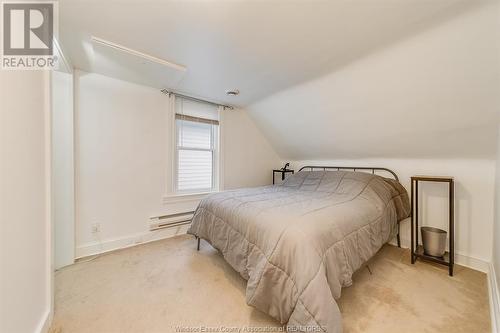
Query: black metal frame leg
[[398, 236]]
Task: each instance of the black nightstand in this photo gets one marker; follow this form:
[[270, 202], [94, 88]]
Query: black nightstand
[[283, 172]]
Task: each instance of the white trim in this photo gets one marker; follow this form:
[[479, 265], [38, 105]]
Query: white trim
[[45, 322], [171, 140], [64, 60], [191, 197], [171, 152], [94, 248], [472, 262], [221, 142], [494, 298], [125, 49], [49, 223]]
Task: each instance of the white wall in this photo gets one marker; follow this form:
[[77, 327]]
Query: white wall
[[428, 104], [431, 95], [474, 191], [496, 224], [25, 221], [63, 190], [121, 149], [248, 157], [119, 154], [495, 266]]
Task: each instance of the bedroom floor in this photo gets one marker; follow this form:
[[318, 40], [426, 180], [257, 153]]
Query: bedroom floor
[[159, 286]]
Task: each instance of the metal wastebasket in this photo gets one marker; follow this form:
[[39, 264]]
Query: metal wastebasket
[[434, 241]]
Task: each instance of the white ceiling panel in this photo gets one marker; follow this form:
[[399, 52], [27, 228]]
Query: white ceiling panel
[[258, 47]]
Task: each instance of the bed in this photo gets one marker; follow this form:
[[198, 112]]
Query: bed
[[298, 243]]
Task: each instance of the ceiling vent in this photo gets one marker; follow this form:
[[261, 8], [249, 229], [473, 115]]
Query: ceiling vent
[[233, 92]]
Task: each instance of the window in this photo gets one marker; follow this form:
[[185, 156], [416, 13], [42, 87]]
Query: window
[[196, 147]]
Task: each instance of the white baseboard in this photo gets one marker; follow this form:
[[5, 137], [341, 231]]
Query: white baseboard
[[471, 262], [494, 299], [94, 248], [45, 322]]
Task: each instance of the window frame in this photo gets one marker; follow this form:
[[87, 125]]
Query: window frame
[[214, 149]]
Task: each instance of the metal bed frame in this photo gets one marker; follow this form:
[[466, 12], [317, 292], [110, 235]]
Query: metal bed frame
[[341, 168], [336, 168]]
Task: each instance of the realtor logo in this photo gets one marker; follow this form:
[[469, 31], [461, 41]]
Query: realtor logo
[[27, 38]]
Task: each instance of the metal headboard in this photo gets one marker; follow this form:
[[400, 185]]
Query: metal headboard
[[372, 169]]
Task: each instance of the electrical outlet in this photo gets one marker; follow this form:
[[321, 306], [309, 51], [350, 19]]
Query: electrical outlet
[[96, 228]]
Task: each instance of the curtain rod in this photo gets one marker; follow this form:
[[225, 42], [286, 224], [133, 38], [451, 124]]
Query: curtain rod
[[166, 92]]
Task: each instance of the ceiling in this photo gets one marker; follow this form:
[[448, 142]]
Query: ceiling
[[433, 95], [258, 47]]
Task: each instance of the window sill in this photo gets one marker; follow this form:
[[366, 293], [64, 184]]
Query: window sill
[[187, 197]]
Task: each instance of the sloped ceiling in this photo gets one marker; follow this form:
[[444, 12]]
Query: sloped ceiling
[[435, 94], [322, 79], [259, 47]]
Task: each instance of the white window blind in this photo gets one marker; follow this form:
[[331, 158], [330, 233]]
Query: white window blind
[[197, 129]]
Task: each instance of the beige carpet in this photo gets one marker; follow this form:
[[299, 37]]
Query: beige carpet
[[159, 286]]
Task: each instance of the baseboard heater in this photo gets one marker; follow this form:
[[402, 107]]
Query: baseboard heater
[[171, 220]]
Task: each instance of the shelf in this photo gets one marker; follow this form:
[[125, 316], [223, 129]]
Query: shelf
[[445, 260], [417, 250], [446, 179]]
